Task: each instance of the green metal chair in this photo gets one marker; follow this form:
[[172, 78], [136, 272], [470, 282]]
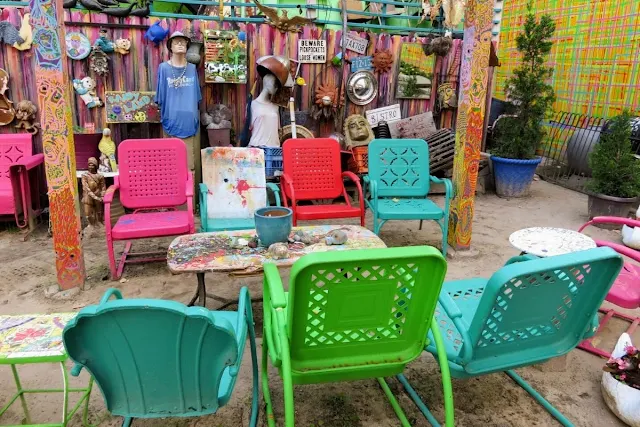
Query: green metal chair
[[529, 311], [157, 358], [349, 316], [399, 183]]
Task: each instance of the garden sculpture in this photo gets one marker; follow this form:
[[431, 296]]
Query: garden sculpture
[[93, 191]]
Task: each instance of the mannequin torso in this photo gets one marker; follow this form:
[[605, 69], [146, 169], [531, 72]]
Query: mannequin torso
[[265, 118]]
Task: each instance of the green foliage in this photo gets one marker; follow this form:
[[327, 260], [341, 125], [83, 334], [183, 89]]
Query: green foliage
[[530, 97], [412, 70], [615, 170]]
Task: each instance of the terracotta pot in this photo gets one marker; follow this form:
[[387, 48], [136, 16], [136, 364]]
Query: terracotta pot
[[602, 205]]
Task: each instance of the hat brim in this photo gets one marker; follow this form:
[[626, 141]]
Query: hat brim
[[177, 37]]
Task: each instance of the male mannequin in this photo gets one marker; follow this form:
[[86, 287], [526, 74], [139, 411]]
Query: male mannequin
[[178, 95]]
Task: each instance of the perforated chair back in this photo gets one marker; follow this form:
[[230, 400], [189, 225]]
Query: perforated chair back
[[13, 148], [152, 173], [400, 167], [314, 167]]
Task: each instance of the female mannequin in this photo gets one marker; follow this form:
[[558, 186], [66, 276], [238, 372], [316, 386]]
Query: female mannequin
[[265, 117]]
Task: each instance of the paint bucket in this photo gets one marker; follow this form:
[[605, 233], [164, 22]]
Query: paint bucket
[[273, 224]]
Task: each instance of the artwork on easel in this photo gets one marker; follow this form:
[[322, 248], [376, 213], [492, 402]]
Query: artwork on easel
[[225, 57], [415, 72]]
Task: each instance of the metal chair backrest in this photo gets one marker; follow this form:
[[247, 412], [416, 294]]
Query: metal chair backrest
[[13, 147], [152, 173], [400, 167], [314, 167], [153, 358]]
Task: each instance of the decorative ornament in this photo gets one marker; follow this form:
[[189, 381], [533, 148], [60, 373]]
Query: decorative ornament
[[218, 117], [156, 33], [441, 45], [193, 52], [357, 131], [362, 87], [120, 12], [107, 152], [283, 22], [382, 61], [99, 62], [26, 116], [86, 89], [92, 5], [78, 45], [123, 46], [447, 97], [25, 33], [301, 132], [326, 105], [435, 10], [300, 81], [103, 42], [9, 34], [453, 12], [426, 11], [7, 112]]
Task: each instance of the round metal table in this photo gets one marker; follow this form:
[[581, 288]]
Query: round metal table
[[550, 241]]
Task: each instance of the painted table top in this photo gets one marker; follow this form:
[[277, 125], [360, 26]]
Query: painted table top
[[33, 338], [550, 241], [204, 252]]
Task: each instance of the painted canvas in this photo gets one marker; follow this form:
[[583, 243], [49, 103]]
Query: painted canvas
[[236, 181], [131, 107], [415, 71], [225, 57]]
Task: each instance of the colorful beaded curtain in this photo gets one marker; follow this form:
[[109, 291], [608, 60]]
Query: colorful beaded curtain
[[596, 53]]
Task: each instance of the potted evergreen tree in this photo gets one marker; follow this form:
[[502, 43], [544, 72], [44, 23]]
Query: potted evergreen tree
[[615, 186], [529, 99]]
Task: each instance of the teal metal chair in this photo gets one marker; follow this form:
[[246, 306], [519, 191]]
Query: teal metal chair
[[529, 311], [399, 183], [349, 316], [234, 186], [157, 358]]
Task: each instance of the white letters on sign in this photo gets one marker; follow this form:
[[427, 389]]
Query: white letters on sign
[[312, 51], [355, 43], [385, 114]]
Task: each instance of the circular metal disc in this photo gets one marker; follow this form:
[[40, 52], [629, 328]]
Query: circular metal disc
[[362, 87]]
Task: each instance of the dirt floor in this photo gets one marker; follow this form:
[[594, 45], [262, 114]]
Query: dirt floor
[[27, 271]]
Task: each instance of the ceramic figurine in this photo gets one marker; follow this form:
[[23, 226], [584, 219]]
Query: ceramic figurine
[[86, 88], [357, 131], [98, 61], [7, 112], [26, 116], [279, 251], [25, 33], [218, 117], [283, 22], [156, 33], [336, 237], [123, 46], [106, 45], [303, 237], [93, 191], [107, 152], [382, 61]]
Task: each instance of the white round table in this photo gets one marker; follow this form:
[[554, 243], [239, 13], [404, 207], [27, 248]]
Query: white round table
[[550, 241]]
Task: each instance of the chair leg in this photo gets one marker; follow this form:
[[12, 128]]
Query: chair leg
[[254, 364], [287, 382], [127, 422], [541, 400], [417, 400], [445, 237], [394, 403], [112, 258], [271, 419]]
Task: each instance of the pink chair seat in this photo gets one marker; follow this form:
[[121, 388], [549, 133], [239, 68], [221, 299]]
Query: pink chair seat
[[625, 291], [7, 201], [151, 224]]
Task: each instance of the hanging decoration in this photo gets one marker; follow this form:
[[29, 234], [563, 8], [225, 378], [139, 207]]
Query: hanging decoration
[[123, 46], [78, 45], [362, 87], [7, 112], [415, 72], [453, 12], [156, 33], [326, 105], [425, 11], [103, 42], [225, 57], [441, 45], [9, 34], [283, 22], [86, 88], [25, 33], [382, 61], [26, 117], [435, 10], [99, 62]]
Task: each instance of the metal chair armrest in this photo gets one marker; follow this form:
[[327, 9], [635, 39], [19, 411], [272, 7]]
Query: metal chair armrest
[[611, 220], [286, 181], [30, 162], [520, 258], [276, 192], [453, 311], [448, 188], [108, 196]]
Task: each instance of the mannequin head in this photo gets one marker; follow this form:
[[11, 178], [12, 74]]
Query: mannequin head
[[269, 84], [179, 46]]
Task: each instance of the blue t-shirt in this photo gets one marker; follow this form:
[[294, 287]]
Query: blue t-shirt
[[178, 96]]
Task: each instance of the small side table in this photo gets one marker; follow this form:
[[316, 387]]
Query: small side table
[[549, 241], [37, 338]]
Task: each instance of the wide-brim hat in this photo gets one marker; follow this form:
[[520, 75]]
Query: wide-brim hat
[[177, 34], [276, 65]]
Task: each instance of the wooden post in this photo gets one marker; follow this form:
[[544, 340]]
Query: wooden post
[[470, 122], [54, 88]]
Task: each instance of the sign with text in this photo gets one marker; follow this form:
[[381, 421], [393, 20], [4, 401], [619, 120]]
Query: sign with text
[[385, 114], [361, 63], [355, 43], [131, 107], [312, 51]]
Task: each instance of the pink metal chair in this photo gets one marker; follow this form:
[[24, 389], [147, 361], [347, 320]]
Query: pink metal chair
[[19, 187], [153, 181], [625, 291]]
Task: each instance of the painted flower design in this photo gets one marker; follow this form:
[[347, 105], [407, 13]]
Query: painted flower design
[[28, 334]]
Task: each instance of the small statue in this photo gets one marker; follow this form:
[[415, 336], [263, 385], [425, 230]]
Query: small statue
[[357, 131], [86, 89], [107, 152], [26, 116], [103, 42], [93, 191], [123, 46], [279, 251], [336, 237], [219, 117], [98, 61]]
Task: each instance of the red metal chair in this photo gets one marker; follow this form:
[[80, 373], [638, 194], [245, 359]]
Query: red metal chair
[[19, 195], [312, 171], [154, 180], [625, 291]]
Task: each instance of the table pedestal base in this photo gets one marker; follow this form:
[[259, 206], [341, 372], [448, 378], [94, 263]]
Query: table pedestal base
[[202, 294]]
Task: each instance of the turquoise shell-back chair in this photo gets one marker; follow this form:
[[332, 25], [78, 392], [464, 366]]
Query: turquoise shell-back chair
[[399, 183], [157, 358], [529, 311], [350, 316]]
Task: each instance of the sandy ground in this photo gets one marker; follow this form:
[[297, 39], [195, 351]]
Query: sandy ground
[[26, 270]]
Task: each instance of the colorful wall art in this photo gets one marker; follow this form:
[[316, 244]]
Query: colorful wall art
[[131, 107], [225, 57], [415, 72]]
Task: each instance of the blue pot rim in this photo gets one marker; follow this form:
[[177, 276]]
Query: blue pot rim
[[259, 212], [535, 161]]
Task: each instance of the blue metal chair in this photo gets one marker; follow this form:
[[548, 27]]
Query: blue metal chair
[[399, 183], [529, 311], [158, 358]]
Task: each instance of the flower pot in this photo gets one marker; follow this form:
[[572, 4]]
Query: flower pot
[[273, 224], [623, 400], [512, 176], [193, 53], [601, 205]]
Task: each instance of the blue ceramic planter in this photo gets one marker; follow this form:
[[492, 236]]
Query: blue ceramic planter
[[273, 224], [513, 177]]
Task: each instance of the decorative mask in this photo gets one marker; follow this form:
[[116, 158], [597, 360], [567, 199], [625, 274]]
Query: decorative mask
[[357, 131], [382, 61], [26, 116]]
